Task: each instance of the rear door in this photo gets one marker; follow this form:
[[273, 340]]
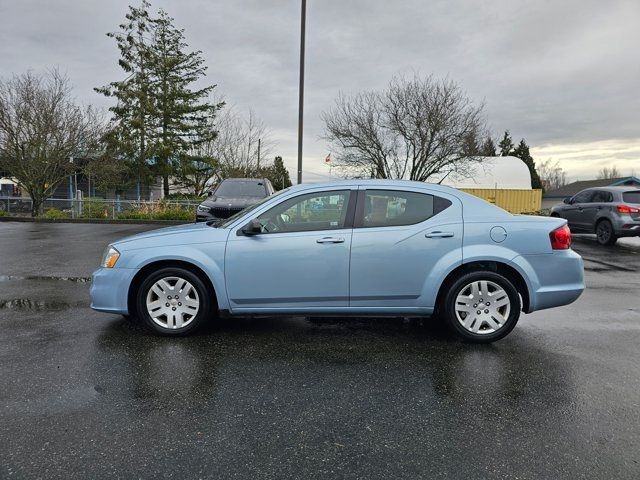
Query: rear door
[[399, 236], [590, 210]]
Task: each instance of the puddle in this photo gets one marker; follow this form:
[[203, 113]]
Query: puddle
[[9, 278], [37, 305]]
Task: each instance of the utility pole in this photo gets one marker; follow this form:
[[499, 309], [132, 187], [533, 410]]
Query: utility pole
[[303, 21], [258, 153]]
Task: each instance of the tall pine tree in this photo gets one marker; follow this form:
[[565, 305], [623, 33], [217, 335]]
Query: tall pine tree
[[159, 115], [506, 144], [182, 113], [522, 152], [130, 132]]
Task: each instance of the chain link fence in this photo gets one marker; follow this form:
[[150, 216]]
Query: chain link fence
[[99, 208]]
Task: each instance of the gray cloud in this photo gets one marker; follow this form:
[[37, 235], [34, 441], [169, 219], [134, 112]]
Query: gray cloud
[[552, 72]]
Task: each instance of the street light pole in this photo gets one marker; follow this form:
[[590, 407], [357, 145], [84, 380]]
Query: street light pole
[[303, 21]]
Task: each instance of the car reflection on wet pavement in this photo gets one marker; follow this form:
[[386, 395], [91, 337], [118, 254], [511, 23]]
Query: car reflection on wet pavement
[[88, 395]]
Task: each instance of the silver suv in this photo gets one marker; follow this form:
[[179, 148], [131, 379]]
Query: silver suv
[[609, 212]]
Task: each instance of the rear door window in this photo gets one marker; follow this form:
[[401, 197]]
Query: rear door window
[[388, 208], [601, 196], [632, 196]]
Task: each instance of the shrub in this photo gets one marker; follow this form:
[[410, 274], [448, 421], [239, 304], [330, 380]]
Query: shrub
[[55, 214], [95, 209], [158, 211], [3, 213]]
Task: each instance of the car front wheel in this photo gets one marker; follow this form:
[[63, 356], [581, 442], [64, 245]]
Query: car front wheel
[[173, 301], [482, 307]]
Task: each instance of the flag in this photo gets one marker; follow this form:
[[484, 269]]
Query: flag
[[328, 159]]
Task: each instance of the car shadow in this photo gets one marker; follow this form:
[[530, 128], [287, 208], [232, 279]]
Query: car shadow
[[331, 353]]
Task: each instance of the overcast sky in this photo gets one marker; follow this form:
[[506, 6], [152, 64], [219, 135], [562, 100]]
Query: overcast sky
[[564, 74]]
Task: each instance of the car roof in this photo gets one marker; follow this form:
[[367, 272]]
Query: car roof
[[377, 183], [620, 188], [243, 180]]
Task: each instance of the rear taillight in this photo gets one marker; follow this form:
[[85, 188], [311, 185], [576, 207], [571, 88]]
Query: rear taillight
[[560, 238], [627, 209]]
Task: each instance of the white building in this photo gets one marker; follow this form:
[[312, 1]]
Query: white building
[[493, 172]]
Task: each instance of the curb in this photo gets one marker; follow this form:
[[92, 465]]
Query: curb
[[93, 220]]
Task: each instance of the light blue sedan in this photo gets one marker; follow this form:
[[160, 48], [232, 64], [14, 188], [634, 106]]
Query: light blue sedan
[[360, 247]]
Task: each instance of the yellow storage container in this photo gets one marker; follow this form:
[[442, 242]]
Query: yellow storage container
[[512, 200]]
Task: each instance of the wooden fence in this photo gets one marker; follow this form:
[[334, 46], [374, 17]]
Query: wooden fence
[[512, 200]]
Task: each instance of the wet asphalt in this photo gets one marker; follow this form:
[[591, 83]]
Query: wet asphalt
[[90, 395]]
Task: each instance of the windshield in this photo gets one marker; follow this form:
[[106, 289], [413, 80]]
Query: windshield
[[240, 188], [631, 197], [228, 221]]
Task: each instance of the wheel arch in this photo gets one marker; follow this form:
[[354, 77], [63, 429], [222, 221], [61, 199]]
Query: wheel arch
[[508, 271], [158, 264]]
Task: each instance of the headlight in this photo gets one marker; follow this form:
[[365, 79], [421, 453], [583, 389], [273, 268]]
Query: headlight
[[110, 257], [203, 208]]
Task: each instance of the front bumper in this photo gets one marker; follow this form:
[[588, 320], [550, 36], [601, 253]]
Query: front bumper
[[110, 289]]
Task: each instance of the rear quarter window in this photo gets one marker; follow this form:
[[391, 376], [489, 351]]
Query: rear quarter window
[[631, 197]]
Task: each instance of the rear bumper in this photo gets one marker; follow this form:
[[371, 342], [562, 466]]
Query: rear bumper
[[554, 279], [630, 229], [110, 289]]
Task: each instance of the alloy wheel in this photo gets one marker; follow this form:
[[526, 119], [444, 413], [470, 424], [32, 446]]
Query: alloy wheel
[[604, 232], [482, 307], [172, 302]]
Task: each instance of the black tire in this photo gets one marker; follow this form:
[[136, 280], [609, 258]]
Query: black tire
[[450, 317], [554, 215], [205, 308], [605, 234]]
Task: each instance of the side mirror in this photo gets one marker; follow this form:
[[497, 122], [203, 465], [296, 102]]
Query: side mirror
[[209, 193], [567, 200], [254, 227]]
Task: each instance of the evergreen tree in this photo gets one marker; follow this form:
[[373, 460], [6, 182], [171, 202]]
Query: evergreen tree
[[130, 131], [277, 174], [522, 152], [158, 116], [488, 148], [181, 115], [506, 144]]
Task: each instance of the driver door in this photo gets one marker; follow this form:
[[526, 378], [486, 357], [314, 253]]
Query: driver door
[[299, 261], [575, 211]]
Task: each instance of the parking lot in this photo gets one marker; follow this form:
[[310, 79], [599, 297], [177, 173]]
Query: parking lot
[[89, 395]]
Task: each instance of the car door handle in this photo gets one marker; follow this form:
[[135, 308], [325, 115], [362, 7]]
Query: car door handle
[[330, 240], [439, 234]]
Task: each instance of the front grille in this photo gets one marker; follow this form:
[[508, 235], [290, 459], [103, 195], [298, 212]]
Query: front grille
[[224, 212]]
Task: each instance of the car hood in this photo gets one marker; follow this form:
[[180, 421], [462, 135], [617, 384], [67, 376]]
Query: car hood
[[231, 201], [181, 234]]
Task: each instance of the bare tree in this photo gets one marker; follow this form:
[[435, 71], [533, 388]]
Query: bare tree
[[608, 173], [551, 175], [41, 128], [242, 143], [415, 128]]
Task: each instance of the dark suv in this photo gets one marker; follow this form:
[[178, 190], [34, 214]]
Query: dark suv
[[231, 196], [609, 212]]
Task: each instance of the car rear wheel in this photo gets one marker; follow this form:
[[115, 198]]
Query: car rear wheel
[[173, 301], [605, 233], [482, 307]]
